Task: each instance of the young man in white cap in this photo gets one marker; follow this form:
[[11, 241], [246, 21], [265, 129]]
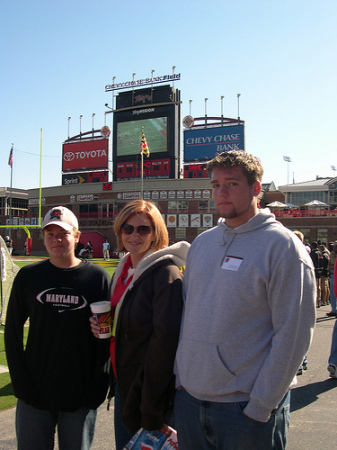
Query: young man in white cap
[[59, 378]]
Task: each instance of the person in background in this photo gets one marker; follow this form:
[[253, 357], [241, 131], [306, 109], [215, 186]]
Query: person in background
[[307, 246], [59, 377], [316, 257], [248, 319], [85, 252], [300, 235], [325, 275], [333, 255], [146, 294], [106, 250], [78, 249], [332, 367], [89, 248], [304, 365], [9, 244]]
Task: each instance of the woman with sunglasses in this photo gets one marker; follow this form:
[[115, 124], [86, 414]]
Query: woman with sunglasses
[[146, 297]]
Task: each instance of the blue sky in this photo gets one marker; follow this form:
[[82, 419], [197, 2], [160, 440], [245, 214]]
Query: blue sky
[[57, 56]]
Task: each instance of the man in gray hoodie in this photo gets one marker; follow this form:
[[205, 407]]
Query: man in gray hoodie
[[249, 315]]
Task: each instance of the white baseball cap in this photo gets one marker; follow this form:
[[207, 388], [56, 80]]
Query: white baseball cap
[[62, 217]]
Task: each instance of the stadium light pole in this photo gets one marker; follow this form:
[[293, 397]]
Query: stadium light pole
[[238, 96], [133, 88], [93, 116], [113, 92], [107, 112], [152, 72], [69, 127], [110, 140], [222, 97]]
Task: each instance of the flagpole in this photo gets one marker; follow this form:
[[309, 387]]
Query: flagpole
[[10, 197], [40, 178], [142, 174], [143, 148]]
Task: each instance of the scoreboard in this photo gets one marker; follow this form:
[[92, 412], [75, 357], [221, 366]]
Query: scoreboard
[[155, 168], [195, 171]]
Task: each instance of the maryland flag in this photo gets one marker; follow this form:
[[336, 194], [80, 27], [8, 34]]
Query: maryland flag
[[144, 148]]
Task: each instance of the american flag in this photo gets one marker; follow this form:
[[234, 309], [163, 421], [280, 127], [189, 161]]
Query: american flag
[[10, 159]]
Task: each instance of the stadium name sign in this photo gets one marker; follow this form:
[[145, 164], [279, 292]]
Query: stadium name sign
[[142, 82]]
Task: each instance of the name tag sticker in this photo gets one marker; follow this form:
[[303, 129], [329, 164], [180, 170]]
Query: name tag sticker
[[232, 263]]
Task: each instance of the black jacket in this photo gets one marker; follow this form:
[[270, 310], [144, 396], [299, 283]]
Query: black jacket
[[147, 334]]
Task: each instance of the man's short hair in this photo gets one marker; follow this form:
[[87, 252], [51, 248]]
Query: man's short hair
[[251, 165]]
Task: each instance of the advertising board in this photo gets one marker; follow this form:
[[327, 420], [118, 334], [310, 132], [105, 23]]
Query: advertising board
[[89, 177], [84, 155], [142, 82], [203, 144]]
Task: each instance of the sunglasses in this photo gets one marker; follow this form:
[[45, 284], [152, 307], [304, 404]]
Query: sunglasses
[[142, 230]]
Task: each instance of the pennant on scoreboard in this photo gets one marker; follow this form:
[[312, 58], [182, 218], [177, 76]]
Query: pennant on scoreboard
[[143, 146]]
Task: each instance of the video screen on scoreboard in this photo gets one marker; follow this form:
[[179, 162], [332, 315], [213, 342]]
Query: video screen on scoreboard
[[129, 135]]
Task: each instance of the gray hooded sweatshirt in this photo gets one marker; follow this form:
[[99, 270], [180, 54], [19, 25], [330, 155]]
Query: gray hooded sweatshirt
[[249, 314]]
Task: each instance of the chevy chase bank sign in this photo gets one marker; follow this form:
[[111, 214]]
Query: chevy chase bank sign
[[204, 144], [142, 82]]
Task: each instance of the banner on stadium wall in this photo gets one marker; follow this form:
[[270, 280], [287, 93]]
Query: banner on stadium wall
[[203, 144], [84, 155]]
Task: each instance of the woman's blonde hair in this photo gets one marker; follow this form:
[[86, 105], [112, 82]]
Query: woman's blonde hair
[[300, 235], [152, 213]]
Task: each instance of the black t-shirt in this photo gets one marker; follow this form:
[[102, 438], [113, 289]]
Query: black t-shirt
[[61, 368]]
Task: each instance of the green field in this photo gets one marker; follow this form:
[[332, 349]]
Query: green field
[[7, 399], [129, 136]]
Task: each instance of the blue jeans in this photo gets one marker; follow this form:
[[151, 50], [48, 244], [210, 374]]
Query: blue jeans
[[332, 295], [122, 436], [35, 428], [333, 352], [223, 426]]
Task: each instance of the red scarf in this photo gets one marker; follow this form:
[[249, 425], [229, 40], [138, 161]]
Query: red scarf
[[119, 290]]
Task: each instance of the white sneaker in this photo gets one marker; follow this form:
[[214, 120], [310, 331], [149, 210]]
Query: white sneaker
[[332, 370]]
